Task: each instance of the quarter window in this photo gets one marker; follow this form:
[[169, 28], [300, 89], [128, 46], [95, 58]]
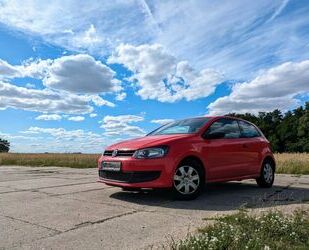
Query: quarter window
[[248, 130], [224, 128]]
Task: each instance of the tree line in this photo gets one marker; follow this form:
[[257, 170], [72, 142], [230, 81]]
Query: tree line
[[287, 132]]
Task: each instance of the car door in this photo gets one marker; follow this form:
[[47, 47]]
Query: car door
[[222, 150], [252, 146]]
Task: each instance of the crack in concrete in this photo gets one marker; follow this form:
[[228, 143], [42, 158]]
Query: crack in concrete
[[267, 198], [89, 223], [30, 223]]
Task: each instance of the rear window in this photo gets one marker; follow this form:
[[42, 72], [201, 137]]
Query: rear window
[[248, 130]]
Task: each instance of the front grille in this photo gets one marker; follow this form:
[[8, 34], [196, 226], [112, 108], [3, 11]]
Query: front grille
[[130, 177], [120, 153]]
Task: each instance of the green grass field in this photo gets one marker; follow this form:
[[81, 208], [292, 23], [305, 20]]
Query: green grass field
[[272, 230], [288, 163]]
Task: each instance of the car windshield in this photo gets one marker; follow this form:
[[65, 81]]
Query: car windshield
[[187, 126]]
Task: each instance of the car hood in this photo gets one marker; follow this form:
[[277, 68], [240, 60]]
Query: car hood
[[147, 141]]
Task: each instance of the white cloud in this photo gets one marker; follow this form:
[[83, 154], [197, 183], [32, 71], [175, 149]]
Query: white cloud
[[70, 80], [12, 96], [81, 74], [56, 132], [7, 70], [76, 118], [276, 88], [120, 125], [88, 39], [37, 68], [99, 101], [279, 10], [30, 86], [159, 76], [162, 121], [93, 115], [51, 117], [235, 37], [121, 96], [38, 139], [93, 25]]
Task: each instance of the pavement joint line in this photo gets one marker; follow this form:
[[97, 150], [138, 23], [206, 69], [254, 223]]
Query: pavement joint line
[[110, 203], [303, 183], [22, 179], [65, 178], [99, 203], [30, 223], [35, 189], [77, 192]]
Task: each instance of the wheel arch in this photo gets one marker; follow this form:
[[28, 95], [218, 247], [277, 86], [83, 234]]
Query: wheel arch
[[269, 158], [194, 158]]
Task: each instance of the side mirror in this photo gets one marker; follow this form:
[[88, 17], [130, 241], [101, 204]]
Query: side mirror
[[214, 135]]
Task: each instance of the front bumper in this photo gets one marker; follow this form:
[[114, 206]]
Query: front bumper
[[139, 173], [130, 177]]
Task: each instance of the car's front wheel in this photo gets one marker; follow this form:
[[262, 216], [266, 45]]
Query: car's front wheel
[[188, 181], [267, 175]]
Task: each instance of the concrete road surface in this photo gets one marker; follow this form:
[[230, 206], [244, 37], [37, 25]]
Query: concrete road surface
[[63, 208]]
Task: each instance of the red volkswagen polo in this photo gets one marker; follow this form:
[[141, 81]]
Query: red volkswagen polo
[[185, 154]]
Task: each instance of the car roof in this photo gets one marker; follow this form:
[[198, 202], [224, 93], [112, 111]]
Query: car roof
[[213, 117]]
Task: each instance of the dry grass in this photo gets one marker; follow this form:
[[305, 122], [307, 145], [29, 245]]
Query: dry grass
[[43, 160], [287, 163], [297, 163]]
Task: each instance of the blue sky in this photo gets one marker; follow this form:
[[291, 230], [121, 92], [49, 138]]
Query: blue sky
[[77, 76]]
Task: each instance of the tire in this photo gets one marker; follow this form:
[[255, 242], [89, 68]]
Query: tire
[[188, 180], [267, 175]]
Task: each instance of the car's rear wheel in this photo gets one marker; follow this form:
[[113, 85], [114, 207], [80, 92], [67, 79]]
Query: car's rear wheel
[[188, 181], [267, 175]]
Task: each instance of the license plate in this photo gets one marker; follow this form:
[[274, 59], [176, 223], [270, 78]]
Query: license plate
[[111, 166]]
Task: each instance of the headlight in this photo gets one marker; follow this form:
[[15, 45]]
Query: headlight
[[147, 153]]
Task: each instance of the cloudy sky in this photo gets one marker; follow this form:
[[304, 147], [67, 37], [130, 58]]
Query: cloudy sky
[[79, 75]]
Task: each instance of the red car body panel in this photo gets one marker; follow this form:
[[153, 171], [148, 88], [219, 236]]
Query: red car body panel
[[222, 159]]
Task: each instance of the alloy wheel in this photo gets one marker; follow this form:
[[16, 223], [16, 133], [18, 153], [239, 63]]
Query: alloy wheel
[[268, 173], [186, 180]]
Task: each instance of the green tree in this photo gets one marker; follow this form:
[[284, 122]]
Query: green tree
[[287, 132], [4, 146]]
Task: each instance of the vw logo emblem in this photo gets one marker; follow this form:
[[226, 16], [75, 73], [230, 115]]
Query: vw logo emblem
[[115, 152]]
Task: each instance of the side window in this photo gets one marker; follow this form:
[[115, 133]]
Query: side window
[[248, 130], [223, 129]]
